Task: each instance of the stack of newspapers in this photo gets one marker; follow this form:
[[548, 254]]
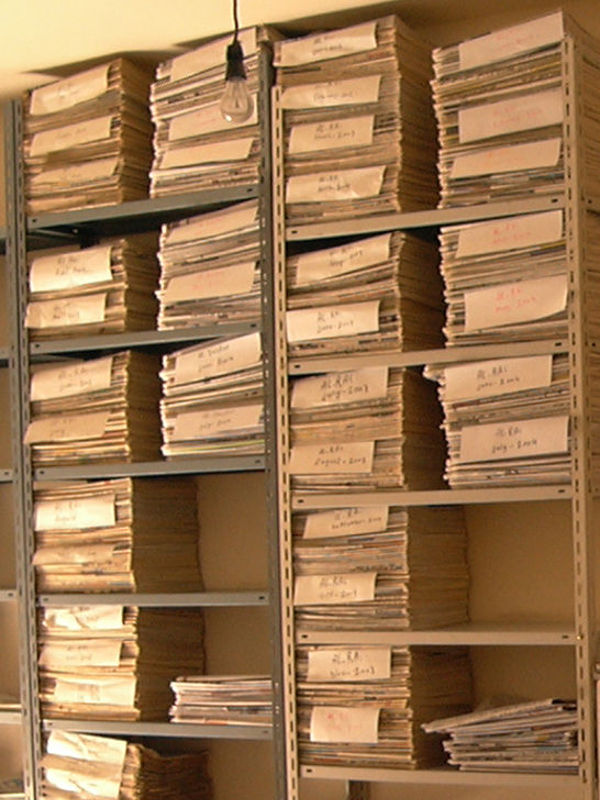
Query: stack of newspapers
[[115, 662], [88, 139], [223, 700], [104, 289], [109, 536], [359, 132]]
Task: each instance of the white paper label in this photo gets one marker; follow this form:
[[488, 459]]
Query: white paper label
[[221, 358], [324, 459], [223, 282], [89, 172], [75, 514], [352, 132], [97, 653], [524, 113], [111, 691], [511, 158], [70, 91], [86, 747], [350, 664], [217, 223], [233, 150], [330, 322], [59, 313], [509, 233], [519, 439], [65, 381], [67, 427], [346, 522], [502, 376], [322, 46], [84, 618], [335, 388], [511, 303], [326, 187], [56, 272], [350, 587], [70, 136], [354, 91], [322, 264], [342, 724], [210, 55], [213, 423], [208, 119], [512, 41]]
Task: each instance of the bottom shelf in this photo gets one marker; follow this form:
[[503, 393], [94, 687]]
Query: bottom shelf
[[162, 729]]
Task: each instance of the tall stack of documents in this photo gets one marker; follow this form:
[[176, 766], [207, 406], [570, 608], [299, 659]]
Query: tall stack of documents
[[79, 765], [506, 420], [104, 289], [379, 568], [373, 294], [213, 399], [506, 279], [361, 706], [101, 410], [358, 125], [115, 662], [195, 148], [88, 139], [210, 268], [223, 700], [536, 736], [109, 536], [371, 428]]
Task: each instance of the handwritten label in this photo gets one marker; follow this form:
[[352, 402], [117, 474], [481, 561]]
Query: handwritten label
[[65, 381], [354, 91], [204, 226], [210, 55], [330, 322], [512, 41], [64, 271], [213, 423], [510, 233], [85, 618], [511, 158], [352, 132], [69, 92], [511, 303], [335, 388], [87, 747], [231, 150], [208, 119], [346, 522], [322, 264], [59, 313], [67, 427], [99, 653], [75, 514], [222, 358], [325, 187], [70, 136], [223, 282], [502, 376], [342, 458], [536, 110], [89, 172], [350, 664], [350, 587], [322, 46], [519, 439], [111, 691], [342, 724]]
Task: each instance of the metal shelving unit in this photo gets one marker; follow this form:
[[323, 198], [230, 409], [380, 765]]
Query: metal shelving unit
[[159, 600], [173, 730]]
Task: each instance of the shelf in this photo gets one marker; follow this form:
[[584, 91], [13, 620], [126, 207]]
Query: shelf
[[4, 356], [171, 600], [6, 475], [13, 717], [149, 469], [471, 633], [415, 358], [8, 595], [434, 218], [447, 776], [436, 497], [117, 341], [163, 729]]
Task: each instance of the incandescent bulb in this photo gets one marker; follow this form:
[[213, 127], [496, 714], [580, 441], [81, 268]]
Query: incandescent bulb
[[236, 104]]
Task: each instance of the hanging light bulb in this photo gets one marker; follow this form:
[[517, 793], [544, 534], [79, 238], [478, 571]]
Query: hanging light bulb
[[236, 104]]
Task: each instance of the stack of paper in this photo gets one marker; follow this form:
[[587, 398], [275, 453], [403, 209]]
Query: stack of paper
[[78, 765], [538, 736], [104, 289], [109, 536], [506, 280], [88, 139], [195, 148], [506, 420], [358, 124], [372, 428], [210, 268], [115, 662], [223, 700], [213, 399], [364, 706], [373, 294], [379, 568], [104, 410]]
